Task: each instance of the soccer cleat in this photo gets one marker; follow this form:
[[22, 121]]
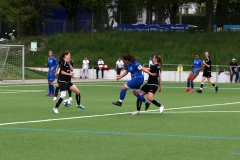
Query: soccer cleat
[[117, 103], [48, 94], [199, 91], [187, 90], [161, 108], [70, 98], [51, 95], [136, 113], [191, 90], [147, 104], [55, 98], [216, 89], [55, 110], [80, 106]]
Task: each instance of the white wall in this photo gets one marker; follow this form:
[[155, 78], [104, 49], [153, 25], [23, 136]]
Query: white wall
[[171, 76]]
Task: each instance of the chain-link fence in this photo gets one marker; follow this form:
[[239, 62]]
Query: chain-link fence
[[109, 19]]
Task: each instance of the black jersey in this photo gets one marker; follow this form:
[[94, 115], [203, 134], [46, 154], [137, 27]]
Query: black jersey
[[71, 62], [66, 68], [208, 61], [153, 80]]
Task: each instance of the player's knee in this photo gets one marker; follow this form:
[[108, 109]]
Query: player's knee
[[63, 94]]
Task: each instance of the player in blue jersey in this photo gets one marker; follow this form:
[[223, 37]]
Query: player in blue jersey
[[52, 65], [196, 67], [135, 68]]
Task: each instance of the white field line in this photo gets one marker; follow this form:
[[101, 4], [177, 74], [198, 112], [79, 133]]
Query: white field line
[[104, 115], [197, 112]]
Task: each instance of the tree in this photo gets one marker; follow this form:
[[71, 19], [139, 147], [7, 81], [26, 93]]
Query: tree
[[209, 15], [26, 15]]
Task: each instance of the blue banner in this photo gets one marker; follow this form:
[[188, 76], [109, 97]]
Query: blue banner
[[152, 27], [219, 28]]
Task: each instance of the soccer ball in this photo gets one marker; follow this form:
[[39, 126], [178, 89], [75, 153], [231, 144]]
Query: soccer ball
[[66, 102]]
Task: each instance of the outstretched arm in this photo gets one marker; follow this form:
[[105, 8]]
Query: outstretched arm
[[147, 70], [122, 75]]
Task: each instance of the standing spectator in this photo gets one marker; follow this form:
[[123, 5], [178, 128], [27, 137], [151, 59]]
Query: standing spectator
[[85, 66], [119, 66], [233, 70], [52, 65], [100, 66]]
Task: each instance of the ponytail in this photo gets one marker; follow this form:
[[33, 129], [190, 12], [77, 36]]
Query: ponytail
[[160, 60]]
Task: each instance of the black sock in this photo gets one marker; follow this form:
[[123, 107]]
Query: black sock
[[59, 101], [139, 103], [56, 91], [156, 103], [78, 98], [213, 85], [69, 93], [201, 87]]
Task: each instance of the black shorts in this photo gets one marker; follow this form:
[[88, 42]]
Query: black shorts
[[149, 88], [207, 74], [119, 71], [63, 86]]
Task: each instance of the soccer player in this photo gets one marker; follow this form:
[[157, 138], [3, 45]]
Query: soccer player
[[197, 66], [57, 87], [100, 66], [153, 84], [135, 68], [64, 81], [207, 73], [85, 66], [52, 65]]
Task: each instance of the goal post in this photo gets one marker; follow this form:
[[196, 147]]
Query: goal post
[[12, 63]]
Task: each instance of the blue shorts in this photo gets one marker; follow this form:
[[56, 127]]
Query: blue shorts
[[195, 72], [51, 76], [135, 83]]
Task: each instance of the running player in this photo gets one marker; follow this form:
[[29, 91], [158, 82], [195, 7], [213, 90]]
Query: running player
[[153, 84], [57, 86], [197, 66], [135, 68], [207, 73], [52, 65], [64, 81]]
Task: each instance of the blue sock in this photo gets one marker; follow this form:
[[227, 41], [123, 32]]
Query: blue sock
[[141, 98], [123, 94], [188, 84], [52, 88], [192, 85], [49, 88]]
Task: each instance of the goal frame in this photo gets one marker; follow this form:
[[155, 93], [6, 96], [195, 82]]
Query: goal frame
[[23, 59]]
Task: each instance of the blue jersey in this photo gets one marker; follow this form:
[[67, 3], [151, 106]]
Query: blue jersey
[[197, 64], [135, 69], [52, 62]]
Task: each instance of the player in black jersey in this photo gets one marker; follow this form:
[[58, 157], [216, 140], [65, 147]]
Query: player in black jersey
[[64, 81], [57, 86], [153, 84], [207, 73]]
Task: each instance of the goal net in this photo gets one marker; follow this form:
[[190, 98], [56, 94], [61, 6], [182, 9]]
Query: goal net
[[12, 63]]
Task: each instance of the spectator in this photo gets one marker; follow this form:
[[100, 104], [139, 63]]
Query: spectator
[[119, 66], [85, 66], [233, 70], [100, 66]]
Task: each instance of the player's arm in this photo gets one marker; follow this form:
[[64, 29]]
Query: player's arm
[[160, 83], [122, 75], [70, 66], [67, 74], [57, 70], [147, 70]]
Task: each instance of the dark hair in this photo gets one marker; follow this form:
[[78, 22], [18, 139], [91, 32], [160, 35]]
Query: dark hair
[[198, 55], [160, 60], [129, 57], [63, 55]]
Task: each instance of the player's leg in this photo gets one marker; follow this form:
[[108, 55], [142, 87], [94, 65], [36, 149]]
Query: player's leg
[[202, 84], [188, 82], [50, 82], [78, 96], [63, 88], [81, 72], [150, 97], [102, 72], [86, 72], [123, 92], [70, 94], [56, 92], [213, 84], [231, 77], [194, 75]]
